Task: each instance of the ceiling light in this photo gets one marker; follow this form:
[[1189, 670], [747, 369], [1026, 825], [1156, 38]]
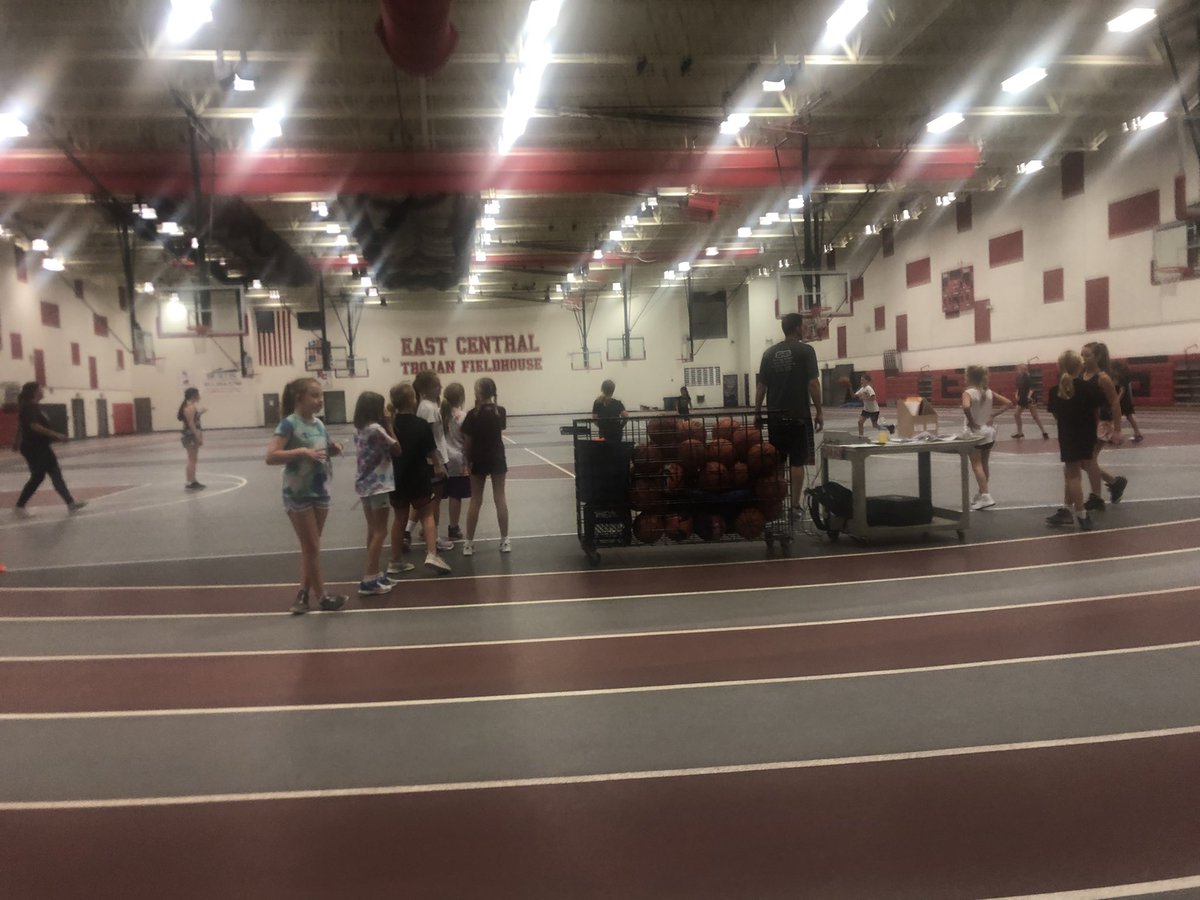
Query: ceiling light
[[711, 251], [944, 122], [268, 124], [905, 215], [669, 274], [243, 85], [195, 243], [630, 221], [615, 235], [145, 211], [869, 230], [1149, 120], [372, 292], [842, 22], [255, 285], [170, 228], [148, 287], [333, 228], [40, 245], [796, 203], [1028, 168], [491, 208], [352, 259], [473, 279], [273, 295], [734, 123], [488, 223], [1023, 79], [617, 287], [175, 310], [480, 256], [774, 87], [745, 231], [320, 207], [486, 240], [684, 266], [12, 127], [533, 56], [53, 264], [342, 240], [559, 288], [365, 281], [772, 217], [597, 253], [570, 277], [187, 16], [652, 202], [1132, 20], [764, 220]]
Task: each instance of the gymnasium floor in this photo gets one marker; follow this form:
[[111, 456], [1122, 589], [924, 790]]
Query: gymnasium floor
[[1016, 715]]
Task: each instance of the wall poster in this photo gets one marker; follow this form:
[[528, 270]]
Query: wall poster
[[958, 290]]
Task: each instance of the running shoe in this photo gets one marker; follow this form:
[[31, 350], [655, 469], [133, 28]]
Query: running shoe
[[444, 544], [437, 564], [1085, 523], [195, 486], [1045, 436], [468, 548], [300, 606], [1138, 438], [1117, 489], [1094, 502], [407, 541], [454, 533], [332, 602], [506, 546], [22, 513], [76, 505], [399, 567], [374, 586], [985, 501], [1062, 517], [1018, 434]]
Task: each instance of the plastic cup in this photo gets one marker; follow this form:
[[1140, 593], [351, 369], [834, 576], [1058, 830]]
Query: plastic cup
[[882, 437]]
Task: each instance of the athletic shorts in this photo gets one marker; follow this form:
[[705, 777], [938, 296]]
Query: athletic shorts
[[794, 439], [303, 504], [458, 487], [873, 416], [402, 501], [377, 501], [489, 467], [187, 439], [982, 447], [1024, 404]]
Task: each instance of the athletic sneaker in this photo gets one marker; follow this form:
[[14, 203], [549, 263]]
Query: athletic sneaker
[[437, 564], [1094, 502], [300, 606], [332, 602], [22, 513], [454, 533], [444, 544], [398, 567], [1045, 436], [1137, 438], [377, 585], [985, 501], [77, 505], [1018, 434], [1062, 517], [975, 499], [468, 548], [195, 486], [506, 546], [407, 541], [1117, 489], [1085, 523]]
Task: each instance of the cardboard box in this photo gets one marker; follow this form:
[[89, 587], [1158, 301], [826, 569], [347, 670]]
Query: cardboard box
[[914, 415]]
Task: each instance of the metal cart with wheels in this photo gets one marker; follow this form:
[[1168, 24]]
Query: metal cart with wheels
[[670, 479]]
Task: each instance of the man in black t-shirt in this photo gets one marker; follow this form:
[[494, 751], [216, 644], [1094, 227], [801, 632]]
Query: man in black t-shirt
[[788, 379]]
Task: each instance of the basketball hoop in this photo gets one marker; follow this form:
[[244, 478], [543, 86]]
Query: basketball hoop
[[572, 302], [1169, 274], [200, 330]]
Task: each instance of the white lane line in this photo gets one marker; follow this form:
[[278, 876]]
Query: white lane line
[[1166, 886], [588, 692], [570, 475], [855, 555], [605, 777], [605, 599], [602, 636]]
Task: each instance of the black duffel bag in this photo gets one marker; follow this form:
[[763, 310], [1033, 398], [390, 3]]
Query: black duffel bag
[[895, 510]]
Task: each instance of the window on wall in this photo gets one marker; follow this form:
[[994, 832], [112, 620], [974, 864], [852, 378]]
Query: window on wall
[[964, 214], [14, 341], [100, 325], [50, 315], [74, 354]]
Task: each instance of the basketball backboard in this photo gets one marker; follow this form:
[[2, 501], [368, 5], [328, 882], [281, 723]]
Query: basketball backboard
[[800, 290], [192, 311]]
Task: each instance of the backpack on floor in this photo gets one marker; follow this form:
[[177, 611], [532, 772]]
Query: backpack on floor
[[827, 500]]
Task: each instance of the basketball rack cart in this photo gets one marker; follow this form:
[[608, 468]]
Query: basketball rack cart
[[695, 480]]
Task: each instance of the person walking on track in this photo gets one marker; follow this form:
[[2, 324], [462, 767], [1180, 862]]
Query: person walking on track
[[36, 437]]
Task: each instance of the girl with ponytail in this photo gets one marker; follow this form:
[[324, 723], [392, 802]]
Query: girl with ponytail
[[1074, 403]]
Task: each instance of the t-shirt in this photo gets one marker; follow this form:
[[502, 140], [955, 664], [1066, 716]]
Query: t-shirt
[[195, 419], [32, 441], [608, 417], [786, 370], [374, 474], [456, 465], [412, 470], [483, 425], [684, 405], [866, 393], [305, 478], [1076, 415], [1024, 386], [981, 413], [431, 412]]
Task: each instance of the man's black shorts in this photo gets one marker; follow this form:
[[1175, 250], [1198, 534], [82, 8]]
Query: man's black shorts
[[794, 439]]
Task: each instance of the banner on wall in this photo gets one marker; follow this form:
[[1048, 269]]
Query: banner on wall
[[222, 381], [483, 354], [958, 290]]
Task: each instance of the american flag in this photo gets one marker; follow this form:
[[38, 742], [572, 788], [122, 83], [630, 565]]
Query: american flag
[[274, 330]]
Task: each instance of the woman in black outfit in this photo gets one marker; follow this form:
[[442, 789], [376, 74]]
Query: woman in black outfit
[[483, 449], [1096, 368], [36, 437], [608, 412], [1074, 404]]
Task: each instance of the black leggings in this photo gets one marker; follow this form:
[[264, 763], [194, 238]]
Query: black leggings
[[42, 464]]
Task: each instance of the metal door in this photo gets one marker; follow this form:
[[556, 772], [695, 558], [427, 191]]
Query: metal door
[[335, 408], [78, 419], [102, 418], [143, 415], [729, 390], [270, 410]]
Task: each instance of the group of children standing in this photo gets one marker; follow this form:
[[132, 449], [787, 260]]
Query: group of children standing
[[411, 453]]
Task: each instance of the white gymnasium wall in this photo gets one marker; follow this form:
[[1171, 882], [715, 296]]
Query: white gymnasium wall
[[20, 313], [1068, 233]]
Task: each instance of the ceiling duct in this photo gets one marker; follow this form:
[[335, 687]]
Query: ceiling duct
[[242, 234], [417, 34], [419, 242]]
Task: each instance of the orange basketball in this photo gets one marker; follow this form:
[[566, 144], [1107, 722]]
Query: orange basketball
[[762, 459], [744, 437], [692, 455], [648, 528], [724, 428], [741, 474], [770, 487], [710, 527], [647, 459], [691, 429], [675, 476], [646, 493], [663, 430], [715, 477], [750, 523], [721, 450], [678, 528]]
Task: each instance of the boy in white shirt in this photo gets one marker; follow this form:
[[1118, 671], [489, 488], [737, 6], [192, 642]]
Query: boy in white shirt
[[870, 409]]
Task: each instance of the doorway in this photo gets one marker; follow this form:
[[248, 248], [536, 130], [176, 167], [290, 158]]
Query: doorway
[[78, 419], [335, 407], [142, 415], [729, 392], [270, 410], [102, 418]]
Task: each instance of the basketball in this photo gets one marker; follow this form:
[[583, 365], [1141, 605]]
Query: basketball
[[762, 459], [645, 493], [648, 528], [741, 474], [844, 381], [710, 527], [724, 428], [744, 437], [715, 477], [721, 450], [770, 487], [647, 459], [663, 430], [750, 523], [675, 476], [691, 429], [678, 527], [771, 509], [692, 455]]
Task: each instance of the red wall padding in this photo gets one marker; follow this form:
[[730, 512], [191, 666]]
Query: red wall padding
[[1095, 300], [1133, 214], [918, 272], [1006, 248], [1053, 288], [122, 414]]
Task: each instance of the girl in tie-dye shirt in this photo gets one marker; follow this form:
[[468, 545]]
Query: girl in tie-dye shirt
[[374, 482]]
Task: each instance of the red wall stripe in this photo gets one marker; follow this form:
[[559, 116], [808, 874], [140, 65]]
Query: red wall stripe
[[1133, 214]]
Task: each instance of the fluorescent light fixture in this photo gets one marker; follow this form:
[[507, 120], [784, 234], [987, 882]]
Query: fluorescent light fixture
[[352, 259], [570, 277], [944, 122], [669, 274], [146, 211], [486, 240], [711, 251], [170, 228], [333, 228], [796, 203], [320, 207], [764, 220], [842, 22], [148, 287], [273, 295], [256, 285], [242, 85], [616, 235], [268, 124], [491, 208], [617, 287], [40, 245], [1023, 79], [734, 123], [372, 292], [195, 243], [12, 127], [342, 240], [652, 202], [473, 279], [1149, 120], [1028, 168], [597, 253], [53, 264], [869, 230], [488, 223], [905, 215], [1131, 20], [472, 290], [365, 281], [187, 17], [559, 288], [684, 266], [772, 217], [532, 59], [774, 87], [480, 256], [745, 231], [630, 221]]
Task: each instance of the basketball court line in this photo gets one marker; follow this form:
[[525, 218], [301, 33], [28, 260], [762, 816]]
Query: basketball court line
[[860, 554], [595, 636], [606, 777], [570, 475], [1166, 886], [586, 692], [564, 600]]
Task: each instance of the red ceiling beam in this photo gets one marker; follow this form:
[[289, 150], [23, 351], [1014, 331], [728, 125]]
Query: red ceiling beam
[[545, 171]]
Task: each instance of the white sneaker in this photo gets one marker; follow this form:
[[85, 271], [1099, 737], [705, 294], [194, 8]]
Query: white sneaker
[[975, 499], [444, 544], [399, 568], [436, 563], [506, 546], [984, 501], [22, 513], [468, 548]]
